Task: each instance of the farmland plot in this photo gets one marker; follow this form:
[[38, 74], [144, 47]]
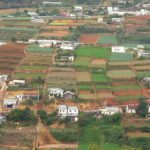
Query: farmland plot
[[83, 77]]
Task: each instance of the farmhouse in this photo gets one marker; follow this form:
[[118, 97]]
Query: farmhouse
[[37, 20], [55, 92], [52, 3], [117, 20], [68, 111], [111, 110], [130, 110], [3, 78], [17, 83], [118, 49], [10, 103], [68, 46]]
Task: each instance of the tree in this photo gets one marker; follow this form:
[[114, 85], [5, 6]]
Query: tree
[[43, 115], [142, 109]]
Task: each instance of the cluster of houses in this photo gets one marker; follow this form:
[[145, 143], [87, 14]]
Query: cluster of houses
[[60, 93], [117, 11]]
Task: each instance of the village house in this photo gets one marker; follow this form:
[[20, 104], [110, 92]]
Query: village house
[[9, 103], [68, 46], [117, 20], [55, 92], [68, 95], [118, 49], [130, 110], [67, 58], [111, 110], [68, 111]]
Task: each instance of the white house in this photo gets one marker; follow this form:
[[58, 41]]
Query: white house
[[9, 103], [118, 49], [39, 20], [117, 20], [68, 46], [3, 78], [73, 112], [111, 110], [62, 111], [56, 92], [17, 83], [2, 118], [68, 111], [130, 110]]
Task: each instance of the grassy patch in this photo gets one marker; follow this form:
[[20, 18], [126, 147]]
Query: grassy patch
[[90, 51]]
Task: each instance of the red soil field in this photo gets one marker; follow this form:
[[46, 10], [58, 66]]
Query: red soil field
[[123, 83], [129, 92], [10, 56], [89, 38]]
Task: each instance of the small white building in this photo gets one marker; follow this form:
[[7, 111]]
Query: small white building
[[118, 49], [38, 20], [10, 103], [130, 110], [100, 20], [2, 118], [2, 43], [3, 78], [117, 20], [144, 54], [56, 92], [77, 8], [68, 111], [62, 111], [17, 83], [68, 46], [111, 110]]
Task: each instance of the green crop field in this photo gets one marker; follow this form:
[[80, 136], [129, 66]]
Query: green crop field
[[85, 87], [33, 67], [121, 74], [128, 97], [28, 75], [36, 48], [103, 87], [121, 57], [97, 52], [141, 75], [17, 29], [100, 78], [126, 87], [108, 39], [82, 61]]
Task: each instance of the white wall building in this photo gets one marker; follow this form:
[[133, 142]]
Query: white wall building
[[17, 83], [68, 111], [130, 110], [68, 46], [3, 78], [55, 92], [118, 49], [10, 103], [111, 110]]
